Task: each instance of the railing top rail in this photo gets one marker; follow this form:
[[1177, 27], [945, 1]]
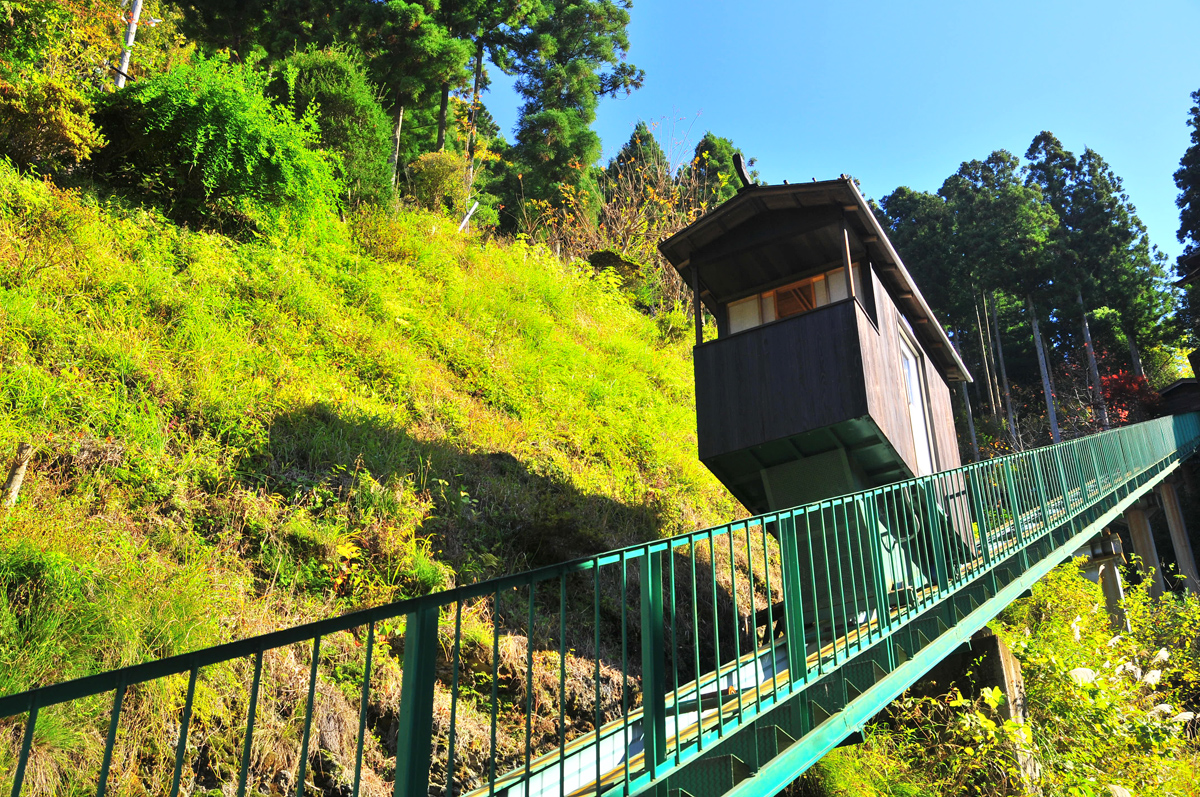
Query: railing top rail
[[139, 673]]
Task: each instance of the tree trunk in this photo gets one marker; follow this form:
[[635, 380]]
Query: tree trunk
[[970, 422], [440, 144], [983, 360], [1012, 422], [1134, 356], [394, 160], [1093, 370], [1047, 391], [967, 402], [995, 385], [475, 104], [130, 35]]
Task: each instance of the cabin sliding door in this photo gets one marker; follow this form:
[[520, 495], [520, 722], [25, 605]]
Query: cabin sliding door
[[914, 392]]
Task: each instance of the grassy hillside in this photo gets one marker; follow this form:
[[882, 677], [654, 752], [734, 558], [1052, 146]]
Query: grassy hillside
[[232, 437]]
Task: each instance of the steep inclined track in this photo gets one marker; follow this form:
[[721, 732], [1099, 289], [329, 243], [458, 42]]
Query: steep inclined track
[[875, 588]]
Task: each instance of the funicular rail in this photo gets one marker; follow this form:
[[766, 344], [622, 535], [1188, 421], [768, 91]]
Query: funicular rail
[[723, 660]]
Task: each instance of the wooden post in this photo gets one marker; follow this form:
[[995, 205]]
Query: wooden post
[[846, 258], [699, 308], [16, 474], [1179, 536], [1143, 546]]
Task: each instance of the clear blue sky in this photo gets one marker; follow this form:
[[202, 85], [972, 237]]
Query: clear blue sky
[[900, 93]]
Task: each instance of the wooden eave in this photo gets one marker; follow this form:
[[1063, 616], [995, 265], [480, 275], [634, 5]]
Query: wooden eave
[[767, 223]]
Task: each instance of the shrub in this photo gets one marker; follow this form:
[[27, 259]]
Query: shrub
[[439, 182], [45, 122], [351, 121], [206, 141]]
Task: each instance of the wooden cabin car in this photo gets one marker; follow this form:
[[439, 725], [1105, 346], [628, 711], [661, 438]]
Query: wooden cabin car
[[816, 384], [829, 375]]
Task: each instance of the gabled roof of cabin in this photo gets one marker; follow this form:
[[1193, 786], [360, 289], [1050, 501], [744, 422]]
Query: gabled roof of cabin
[[767, 235]]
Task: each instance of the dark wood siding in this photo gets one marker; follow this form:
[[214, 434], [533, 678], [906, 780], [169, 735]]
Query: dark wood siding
[[780, 379], [942, 412], [884, 377], [815, 370]]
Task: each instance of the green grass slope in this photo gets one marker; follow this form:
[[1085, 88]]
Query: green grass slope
[[233, 437]]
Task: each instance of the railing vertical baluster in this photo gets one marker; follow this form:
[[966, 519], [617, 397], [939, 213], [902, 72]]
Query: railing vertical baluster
[[975, 496], [562, 684], [364, 703], [624, 667], [184, 721], [414, 726], [247, 743], [793, 601], [770, 597], [1040, 483], [529, 686], [496, 685], [669, 554], [737, 616], [301, 774], [806, 514], [654, 697], [111, 740], [26, 745], [753, 618], [1015, 509], [716, 621], [696, 638], [456, 666], [878, 581], [596, 643]]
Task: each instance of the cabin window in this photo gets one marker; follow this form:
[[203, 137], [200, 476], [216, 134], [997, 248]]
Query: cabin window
[[789, 300], [915, 397]]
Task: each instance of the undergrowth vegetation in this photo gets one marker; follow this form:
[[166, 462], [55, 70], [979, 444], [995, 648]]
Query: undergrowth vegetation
[[1108, 713], [234, 437]]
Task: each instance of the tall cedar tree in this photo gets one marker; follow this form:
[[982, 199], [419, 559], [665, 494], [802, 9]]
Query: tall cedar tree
[[712, 169], [1187, 180], [568, 59], [1081, 253]]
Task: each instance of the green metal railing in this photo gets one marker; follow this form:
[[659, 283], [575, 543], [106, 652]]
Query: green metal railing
[[688, 663]]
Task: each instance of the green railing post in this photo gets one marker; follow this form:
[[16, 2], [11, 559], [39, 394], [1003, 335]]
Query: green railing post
[[654, 679], [793, 599], [1040, 482], [1014, 506], [414, 732], [936, 536], [975, 497]]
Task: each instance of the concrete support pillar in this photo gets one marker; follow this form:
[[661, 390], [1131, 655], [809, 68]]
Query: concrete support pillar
[[1143, 546], [1179, 536], [985, 661], [1105, 558]]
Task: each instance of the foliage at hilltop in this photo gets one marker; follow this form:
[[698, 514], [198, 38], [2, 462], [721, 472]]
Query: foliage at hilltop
[[1050, 288]]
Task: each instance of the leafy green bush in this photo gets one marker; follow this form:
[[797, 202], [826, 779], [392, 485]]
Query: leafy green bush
[[45, 122], [439, 182], [351, 121], [206, 141]]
